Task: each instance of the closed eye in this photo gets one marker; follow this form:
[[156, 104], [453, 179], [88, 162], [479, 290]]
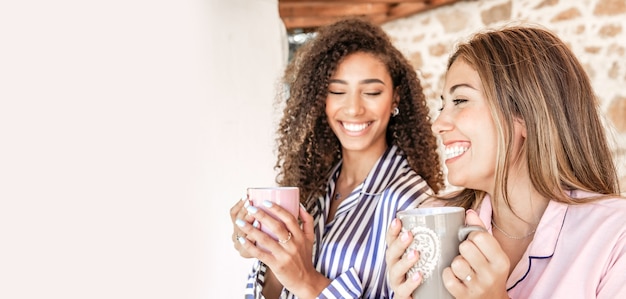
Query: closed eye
[[455, 102], [336, 92], [458, 101]]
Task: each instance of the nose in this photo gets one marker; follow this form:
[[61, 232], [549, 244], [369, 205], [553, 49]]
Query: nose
[[441, 124], [354, 105]]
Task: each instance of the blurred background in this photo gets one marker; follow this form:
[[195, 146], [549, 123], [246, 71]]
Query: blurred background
[[129, 128]]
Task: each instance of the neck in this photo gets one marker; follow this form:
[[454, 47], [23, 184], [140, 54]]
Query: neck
[[356, 165], [523, 213]]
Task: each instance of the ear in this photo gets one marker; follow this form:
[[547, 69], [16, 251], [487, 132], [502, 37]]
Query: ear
[[396, 100]]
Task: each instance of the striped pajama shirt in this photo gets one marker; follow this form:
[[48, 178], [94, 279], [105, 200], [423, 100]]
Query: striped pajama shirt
[[350, 249]]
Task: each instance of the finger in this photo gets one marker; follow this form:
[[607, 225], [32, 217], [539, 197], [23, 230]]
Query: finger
[[253, 251], [452, 283], [396, 245], [237, 234], [275, 229], [462, 269], [257, 238], [472, 218], [406, 289], [394, 231], [486, 247], [236, 209], [282, 214], [277, 219], [243, 213], [485, 256], [399, 264], [307, 224]]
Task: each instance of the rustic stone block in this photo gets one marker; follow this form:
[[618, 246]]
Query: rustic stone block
[[610, 8], [614, 71], [617, 113], [592, 50], [610, 30], [496, 13], [615, 49], [417, 38], [438, 49], [567, 15], [591, 72], [453, 21], [547, 3], [416, 60]]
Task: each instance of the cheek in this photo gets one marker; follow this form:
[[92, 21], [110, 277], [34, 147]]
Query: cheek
[[328, 108]]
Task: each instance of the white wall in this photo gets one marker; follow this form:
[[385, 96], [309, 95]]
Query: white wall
[[251, 48], [127, 130]]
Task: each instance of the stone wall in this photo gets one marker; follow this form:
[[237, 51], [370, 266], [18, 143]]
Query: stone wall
[[594, 29]]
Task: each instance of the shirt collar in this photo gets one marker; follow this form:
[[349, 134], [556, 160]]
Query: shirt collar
[[383, 172], [543, 243], [548, 230], [379, 177]]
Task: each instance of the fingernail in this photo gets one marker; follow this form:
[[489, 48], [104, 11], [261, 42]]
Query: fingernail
[[404, 236], [240, 222], [411, 254], [255, 224], [302, 206], [252, 209], [246, 202], [394, 223], [268, 203], [241, 240], [415, 277]]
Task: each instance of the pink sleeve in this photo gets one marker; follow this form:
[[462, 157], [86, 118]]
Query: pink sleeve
[[612, 284]]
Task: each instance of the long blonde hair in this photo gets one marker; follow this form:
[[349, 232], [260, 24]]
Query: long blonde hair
[[529, 74]]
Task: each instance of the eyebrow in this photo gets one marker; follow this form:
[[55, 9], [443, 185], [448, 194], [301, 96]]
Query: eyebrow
[[365, 81], [453, 88]]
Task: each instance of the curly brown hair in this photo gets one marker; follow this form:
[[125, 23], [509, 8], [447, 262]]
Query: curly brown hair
[[308, 148]]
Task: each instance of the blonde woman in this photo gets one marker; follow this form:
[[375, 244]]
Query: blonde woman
[[523, 136]]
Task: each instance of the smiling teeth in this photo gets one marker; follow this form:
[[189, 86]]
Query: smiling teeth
[[355, 127], [455, 151]]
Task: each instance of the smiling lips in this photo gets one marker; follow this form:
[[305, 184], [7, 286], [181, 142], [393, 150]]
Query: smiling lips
[[355, 127], [453, 151]]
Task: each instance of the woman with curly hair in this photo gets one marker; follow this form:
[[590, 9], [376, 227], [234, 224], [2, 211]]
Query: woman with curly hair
[[355, 138]]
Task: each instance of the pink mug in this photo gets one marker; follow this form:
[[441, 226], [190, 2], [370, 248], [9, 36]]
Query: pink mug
[[286, 197]]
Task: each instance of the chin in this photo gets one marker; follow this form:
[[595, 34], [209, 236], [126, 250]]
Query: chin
[[457, 182]]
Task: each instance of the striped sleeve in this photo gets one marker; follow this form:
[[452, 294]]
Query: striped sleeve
[[254, 284], [346, 285]]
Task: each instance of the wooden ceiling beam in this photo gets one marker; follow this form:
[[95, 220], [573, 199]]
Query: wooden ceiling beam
[[406, 9], [290, 10], [308, 22], [354, 1], [310, 14]]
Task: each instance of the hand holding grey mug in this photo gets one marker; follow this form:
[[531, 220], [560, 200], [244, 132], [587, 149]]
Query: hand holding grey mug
[[437, 233]]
